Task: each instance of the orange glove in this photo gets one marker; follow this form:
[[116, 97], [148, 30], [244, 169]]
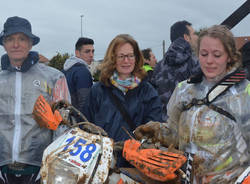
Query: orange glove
[[156, 164], [246, 180], [44, 116]]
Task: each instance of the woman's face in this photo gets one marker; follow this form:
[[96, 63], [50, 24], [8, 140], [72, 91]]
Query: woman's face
[[213, 57], [125, 60]]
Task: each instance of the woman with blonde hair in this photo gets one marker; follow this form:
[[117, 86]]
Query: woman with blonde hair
[[209, 114], [122, 98]]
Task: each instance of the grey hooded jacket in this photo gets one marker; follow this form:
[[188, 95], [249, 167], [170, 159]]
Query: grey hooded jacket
[[79, 80]]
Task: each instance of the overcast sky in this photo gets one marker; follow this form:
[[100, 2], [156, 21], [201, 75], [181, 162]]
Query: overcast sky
[[58, 22]]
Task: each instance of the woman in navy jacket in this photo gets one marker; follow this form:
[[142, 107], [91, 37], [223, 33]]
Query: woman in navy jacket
[[122, 74]]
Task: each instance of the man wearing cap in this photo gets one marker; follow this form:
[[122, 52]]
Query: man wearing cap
[[22, 80]]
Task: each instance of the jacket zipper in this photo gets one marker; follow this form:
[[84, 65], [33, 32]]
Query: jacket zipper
[[17, 129]]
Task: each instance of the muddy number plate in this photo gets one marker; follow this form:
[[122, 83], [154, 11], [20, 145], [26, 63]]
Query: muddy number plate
[[81, 150]]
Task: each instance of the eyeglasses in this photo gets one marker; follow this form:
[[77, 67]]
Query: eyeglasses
[[122, 57]]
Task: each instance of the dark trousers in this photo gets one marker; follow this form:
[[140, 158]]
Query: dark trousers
[[27, 174]]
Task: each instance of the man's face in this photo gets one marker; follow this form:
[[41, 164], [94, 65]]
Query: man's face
[[191, 38], [17, 47], [86, 53], [152, 62]]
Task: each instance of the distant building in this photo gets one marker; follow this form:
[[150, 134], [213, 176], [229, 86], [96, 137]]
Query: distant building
[[241, 40], [43, 59], [94, 66]]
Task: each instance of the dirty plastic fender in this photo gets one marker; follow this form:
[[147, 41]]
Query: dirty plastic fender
[[77, 157]]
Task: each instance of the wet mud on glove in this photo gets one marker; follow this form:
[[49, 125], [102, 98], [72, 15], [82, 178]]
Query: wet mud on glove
[[157, 131], [44, 115]]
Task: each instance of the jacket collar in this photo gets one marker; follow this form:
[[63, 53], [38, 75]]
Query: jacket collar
[[72, 61], [32, 59]]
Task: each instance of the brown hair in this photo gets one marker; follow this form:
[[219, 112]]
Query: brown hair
[[108, 65], [146, 53], [226, 37]]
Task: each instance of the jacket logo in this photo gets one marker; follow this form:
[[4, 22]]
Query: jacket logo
[[36, 83]]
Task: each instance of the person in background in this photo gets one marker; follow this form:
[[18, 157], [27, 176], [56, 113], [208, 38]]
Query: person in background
[[245, 51], [122, 82], [179, 62], [208, 115], [149, 62], [76, 70], [22, 80]]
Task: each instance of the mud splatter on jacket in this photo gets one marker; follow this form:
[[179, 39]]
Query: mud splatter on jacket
[[178, 64], [222, 143]]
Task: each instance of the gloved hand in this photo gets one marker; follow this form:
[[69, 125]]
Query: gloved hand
[[154, 163], [44, 116], [157, 131]]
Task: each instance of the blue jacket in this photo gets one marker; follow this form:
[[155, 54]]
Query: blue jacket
[[79, 80], [142, 103]]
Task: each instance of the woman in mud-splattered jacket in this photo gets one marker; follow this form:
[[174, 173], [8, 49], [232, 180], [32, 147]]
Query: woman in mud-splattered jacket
[[209, 114]]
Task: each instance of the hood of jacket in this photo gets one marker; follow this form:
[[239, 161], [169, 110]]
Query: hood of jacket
[[32, 59], [178, 52], [72, 61]]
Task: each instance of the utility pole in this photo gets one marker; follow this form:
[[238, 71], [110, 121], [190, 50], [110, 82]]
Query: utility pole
[[81, 24], [163, 47]]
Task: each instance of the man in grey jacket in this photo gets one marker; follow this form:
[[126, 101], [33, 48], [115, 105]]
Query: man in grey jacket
[[22, 80]]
